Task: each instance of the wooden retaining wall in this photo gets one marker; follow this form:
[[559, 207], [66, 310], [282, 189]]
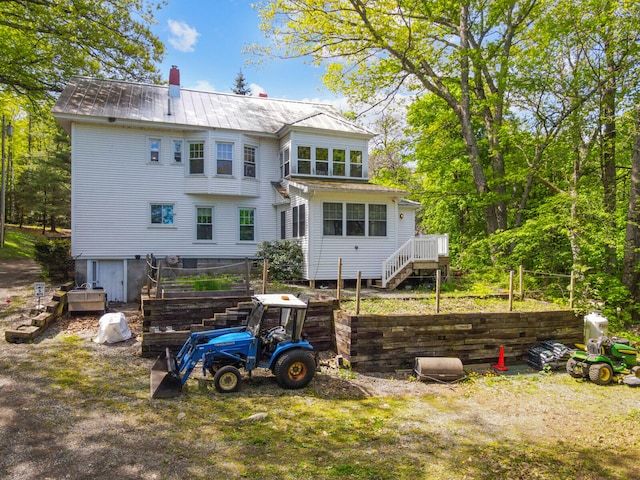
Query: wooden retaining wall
[[167, 322], [387, 343]]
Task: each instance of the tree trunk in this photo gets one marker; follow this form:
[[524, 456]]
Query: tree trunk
[[464, 114], [609, 161], [630, 271]]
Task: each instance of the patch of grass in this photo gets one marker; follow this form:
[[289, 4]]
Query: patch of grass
[[426, 305], [18, 243], [489, 428]]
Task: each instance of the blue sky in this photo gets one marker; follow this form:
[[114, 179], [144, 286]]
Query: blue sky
[[205, 39]]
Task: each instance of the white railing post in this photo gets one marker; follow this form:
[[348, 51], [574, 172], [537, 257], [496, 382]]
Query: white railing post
[[420, 248]]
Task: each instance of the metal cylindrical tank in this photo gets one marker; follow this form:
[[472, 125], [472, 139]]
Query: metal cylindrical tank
[[595, 325], [438, 368]]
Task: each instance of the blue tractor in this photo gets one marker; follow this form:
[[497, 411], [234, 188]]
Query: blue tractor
[[283, 349]]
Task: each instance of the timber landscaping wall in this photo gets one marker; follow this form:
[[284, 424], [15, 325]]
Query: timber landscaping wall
[[387, 343], [167, 322]]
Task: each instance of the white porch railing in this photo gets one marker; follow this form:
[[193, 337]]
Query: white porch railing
[[426, 248]]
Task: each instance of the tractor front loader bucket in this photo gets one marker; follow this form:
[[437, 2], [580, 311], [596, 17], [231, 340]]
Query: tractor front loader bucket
[[165, 378]]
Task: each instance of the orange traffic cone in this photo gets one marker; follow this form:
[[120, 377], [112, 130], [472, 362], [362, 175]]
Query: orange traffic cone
[[501, 366]]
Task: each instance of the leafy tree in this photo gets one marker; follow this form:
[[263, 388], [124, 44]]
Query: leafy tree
[[44, 42], [460, 51], [240, 87]]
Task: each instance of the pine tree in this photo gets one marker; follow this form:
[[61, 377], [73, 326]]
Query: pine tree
[[240, 87]]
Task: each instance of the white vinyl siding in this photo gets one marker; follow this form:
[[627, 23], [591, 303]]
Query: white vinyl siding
[[111, 213]]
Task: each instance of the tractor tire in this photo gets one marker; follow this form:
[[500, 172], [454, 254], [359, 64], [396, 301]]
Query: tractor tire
[[571, 365], [636, 371], [295, 369], [227, 379], [600, 373]]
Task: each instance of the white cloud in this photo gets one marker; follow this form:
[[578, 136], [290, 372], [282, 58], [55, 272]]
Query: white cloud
[[181, 36], [203, 86], [256, 89]]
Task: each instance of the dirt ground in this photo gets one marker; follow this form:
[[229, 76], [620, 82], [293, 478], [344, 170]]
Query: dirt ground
[[106, 431]]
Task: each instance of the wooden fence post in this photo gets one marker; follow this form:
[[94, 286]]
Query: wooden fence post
[[358, 292], [572, 285], [438, 280], [521, 280], [247, 276], [338, 286], [511, 291], [265, 275], [159, 280]]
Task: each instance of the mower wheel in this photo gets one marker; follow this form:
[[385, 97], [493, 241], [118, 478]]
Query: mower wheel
[[571, 368], [636, 371], [600, 373], [295, 369], [227, 379]]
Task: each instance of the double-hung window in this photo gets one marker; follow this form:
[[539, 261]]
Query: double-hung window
[[204, 223], [177, 151], [377, 220], [154, 150], [285, 162], [322, 161], [355, 163], [224, 158], [196, 158], [355, 219], [338, 162], [247, 224], [249, 161], [299, 221], [331, 218], [304, 160], [162, 213]]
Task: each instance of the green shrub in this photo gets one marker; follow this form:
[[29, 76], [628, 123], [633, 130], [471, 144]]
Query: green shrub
[[212, 284], [284, 259], [54, 258]]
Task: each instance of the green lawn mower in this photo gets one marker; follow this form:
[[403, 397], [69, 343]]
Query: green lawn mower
[[606, 359]]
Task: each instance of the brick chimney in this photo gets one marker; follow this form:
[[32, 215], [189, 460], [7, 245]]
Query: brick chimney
[[174, 82]]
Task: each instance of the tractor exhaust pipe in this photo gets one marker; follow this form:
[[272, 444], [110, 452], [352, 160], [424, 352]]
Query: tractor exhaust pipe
[[165, 379]]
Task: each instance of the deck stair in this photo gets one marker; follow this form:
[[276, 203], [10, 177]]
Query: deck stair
[[420, 252]]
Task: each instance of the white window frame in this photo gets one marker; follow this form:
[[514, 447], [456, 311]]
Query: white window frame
[[285, 162], [246, 163], [151, 149], [162, 224], [240, 225], [219, 159], [197, 223], [174, 142], [345, 220], [189, 158]]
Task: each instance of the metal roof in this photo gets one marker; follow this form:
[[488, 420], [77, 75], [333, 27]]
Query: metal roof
[[134, 102], [309, 185]]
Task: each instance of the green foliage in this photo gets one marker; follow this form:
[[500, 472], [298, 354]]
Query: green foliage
[[212, 284], [44, 43], [53, 256], [284, 257]]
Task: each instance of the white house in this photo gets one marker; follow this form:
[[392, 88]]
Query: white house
[[207, 176]]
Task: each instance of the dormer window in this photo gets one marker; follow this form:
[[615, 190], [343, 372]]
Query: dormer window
[[355, 163]]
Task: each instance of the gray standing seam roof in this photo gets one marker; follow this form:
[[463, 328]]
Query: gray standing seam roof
[[90, 97]]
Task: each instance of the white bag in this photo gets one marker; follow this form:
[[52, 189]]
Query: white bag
[[113, 328]]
